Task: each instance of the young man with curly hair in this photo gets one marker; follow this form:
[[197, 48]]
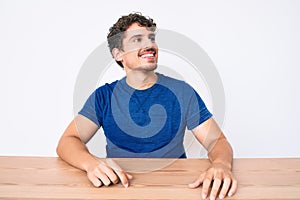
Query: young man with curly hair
[[145, 114]]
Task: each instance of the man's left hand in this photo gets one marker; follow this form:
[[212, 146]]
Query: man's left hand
[[216, 174]]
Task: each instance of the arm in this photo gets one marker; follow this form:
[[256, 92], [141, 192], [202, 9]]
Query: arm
[[220, 154], [72, 149]]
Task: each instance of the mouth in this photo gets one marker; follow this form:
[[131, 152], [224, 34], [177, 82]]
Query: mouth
[[147, 53]]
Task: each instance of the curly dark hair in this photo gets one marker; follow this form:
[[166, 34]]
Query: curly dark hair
[[115, 35]]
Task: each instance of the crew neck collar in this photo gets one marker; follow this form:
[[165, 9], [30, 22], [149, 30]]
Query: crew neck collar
[[129, 88]]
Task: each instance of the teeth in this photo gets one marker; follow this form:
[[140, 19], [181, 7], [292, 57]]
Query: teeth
[[147, 55]]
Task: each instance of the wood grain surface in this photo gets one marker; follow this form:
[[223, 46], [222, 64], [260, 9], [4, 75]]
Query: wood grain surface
[[52, 178]]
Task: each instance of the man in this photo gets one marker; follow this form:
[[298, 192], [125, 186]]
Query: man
[[145, 115]]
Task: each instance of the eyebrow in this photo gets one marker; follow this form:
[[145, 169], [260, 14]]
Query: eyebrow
[[140, 35], [134, 36]]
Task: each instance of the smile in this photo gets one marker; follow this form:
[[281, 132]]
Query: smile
[[148, 53]]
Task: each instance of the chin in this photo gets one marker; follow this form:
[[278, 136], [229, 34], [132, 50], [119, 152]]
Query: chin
[[150, 67]]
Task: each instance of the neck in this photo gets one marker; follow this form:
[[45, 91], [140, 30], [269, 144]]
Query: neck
[[141, 80]]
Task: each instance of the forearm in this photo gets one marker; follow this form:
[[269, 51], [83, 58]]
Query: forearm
[[73, 151], [221, 153], [219, 174]]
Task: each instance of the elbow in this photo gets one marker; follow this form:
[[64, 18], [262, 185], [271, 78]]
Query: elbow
[[58, 149], [230, 150]]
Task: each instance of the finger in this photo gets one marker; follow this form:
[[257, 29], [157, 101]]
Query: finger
[[95, 180], [129, 176], [123, 177], [110, 174], [114, 171], [197, 182], [206, 184], [215, 188], [225, 187], [105, 180], [113, 177], [233, 187]]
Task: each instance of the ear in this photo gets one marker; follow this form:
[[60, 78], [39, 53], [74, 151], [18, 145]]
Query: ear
[[117, 53]]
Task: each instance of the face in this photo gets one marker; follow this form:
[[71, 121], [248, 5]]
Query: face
[[140, 51]]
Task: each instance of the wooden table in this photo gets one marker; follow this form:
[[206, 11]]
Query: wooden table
[[51, 178]]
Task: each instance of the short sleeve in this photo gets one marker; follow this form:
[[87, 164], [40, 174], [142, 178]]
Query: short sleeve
[[89, 109], [197, 112]]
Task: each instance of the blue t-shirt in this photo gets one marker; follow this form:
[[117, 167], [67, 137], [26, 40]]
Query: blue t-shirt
[[146, 123]]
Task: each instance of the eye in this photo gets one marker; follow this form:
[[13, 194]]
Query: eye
[[137, 40], [152, 38]]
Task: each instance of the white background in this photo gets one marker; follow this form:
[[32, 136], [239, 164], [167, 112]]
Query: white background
[[254, 45]]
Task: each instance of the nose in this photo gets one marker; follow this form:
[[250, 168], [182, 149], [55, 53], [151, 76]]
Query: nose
[[149, 43]]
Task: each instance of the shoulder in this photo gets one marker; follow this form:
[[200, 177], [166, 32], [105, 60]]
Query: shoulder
[[106, 88], [175, 84]]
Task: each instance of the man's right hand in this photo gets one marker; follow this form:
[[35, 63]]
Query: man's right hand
[[106, 172], [72, 149]]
